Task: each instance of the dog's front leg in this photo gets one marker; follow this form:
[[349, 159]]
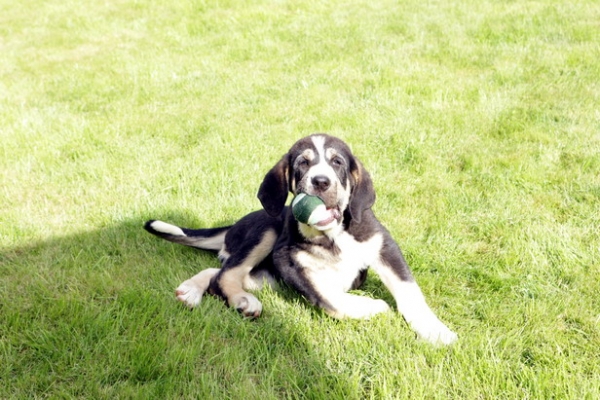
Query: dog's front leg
[[346, 305], [325, 291], [394, 272]]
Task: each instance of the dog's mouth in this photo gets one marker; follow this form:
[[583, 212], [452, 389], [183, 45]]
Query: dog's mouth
[[328, 216]]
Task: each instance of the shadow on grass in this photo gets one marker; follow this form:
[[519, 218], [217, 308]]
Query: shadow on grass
[[93, 315]]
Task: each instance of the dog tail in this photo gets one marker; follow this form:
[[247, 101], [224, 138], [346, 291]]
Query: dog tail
[[206, 239]]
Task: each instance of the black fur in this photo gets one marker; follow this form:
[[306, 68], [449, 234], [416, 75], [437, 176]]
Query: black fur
[[273, 191]]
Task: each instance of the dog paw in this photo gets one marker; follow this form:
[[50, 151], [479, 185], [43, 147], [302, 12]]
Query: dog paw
[[189, 294], [247, 305], [437, 334], [378, 306], [352, 306]]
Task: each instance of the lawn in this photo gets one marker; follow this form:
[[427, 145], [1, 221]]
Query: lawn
[[478, 120]]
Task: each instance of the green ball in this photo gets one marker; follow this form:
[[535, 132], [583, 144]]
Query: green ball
[[304, 205]]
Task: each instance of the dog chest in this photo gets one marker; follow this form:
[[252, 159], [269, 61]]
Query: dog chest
[[338, 269]]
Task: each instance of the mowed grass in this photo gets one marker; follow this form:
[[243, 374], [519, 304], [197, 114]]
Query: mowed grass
[[478, 120]]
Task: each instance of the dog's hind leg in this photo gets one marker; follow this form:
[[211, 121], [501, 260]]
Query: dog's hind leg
[[234, 278], [191, 291]]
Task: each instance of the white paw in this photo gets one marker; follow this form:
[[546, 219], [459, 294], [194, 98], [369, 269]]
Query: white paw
[[365, 308], [189, 293], [359, 307], [378, 306], [246, 304], [436, 333]]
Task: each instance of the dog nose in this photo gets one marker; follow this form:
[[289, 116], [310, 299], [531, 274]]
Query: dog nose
[[321, 182]]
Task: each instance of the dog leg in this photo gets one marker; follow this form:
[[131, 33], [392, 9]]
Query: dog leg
[[235, 276], [231, 288], [257, 280], [348, 305], [411, 304], [395, 274], [327, 293], [191, 291]]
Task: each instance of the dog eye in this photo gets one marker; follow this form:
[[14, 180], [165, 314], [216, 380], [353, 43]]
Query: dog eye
[[337, 161], [303, 162]]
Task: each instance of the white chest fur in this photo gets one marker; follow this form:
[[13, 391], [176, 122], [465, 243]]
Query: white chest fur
[[337, 271]]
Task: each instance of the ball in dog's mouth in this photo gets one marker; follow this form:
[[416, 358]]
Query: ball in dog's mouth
[[311, 210]]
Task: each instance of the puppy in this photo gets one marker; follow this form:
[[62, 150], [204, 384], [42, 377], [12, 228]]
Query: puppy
[[322, 261]]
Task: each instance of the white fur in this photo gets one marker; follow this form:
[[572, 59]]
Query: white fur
[[411, 304], [191, 291], [213, 242], [352, 306], [259, 281], [333, 275], [247, 304], [169, 229], [322, 167], [336, 191]]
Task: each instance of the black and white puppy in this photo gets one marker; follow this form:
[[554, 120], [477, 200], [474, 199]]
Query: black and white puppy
[[321, 262]]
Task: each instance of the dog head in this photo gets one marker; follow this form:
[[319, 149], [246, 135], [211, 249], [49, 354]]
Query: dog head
[[320, 165]]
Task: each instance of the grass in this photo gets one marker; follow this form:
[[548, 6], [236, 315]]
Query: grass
[[478, 120]]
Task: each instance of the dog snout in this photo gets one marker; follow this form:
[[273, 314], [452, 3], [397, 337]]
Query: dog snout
[[321, 182]]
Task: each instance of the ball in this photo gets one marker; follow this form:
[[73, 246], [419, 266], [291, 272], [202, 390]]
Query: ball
[[308, 209]]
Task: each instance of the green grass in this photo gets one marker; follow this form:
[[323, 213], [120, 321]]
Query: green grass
[[479, 121]]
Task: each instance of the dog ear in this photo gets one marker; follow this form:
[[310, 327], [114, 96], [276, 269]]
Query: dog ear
[[273, 190], [362, 196]]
